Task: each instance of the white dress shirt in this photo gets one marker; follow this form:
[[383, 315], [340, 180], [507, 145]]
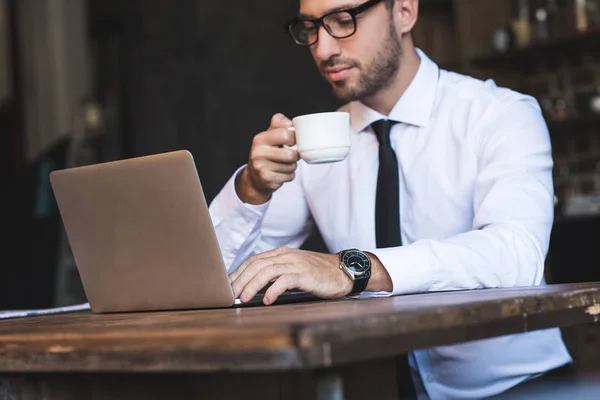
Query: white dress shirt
[[476, 211]]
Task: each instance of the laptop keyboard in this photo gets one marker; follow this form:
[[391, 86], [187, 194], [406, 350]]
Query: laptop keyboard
[[289, 296]]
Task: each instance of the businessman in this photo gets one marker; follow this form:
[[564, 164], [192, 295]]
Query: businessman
[[448, 186]]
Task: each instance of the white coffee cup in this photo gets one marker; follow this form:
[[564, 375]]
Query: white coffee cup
[[323, 137]]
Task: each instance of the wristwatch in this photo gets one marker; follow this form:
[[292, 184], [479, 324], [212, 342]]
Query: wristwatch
[[357, 265]]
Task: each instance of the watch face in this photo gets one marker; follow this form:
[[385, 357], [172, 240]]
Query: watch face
[[357, 262]]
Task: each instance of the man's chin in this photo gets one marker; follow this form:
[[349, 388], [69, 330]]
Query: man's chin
[[343, 91]]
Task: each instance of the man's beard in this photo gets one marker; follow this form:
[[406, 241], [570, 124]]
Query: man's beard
[[376, 76]]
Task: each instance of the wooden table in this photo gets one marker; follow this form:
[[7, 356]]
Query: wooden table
[[324, 350]]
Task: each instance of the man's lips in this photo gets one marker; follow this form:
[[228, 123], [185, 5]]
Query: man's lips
[[337, 73]]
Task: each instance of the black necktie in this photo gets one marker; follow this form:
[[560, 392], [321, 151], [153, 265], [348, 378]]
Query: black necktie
[[387, 225], [387, 201]]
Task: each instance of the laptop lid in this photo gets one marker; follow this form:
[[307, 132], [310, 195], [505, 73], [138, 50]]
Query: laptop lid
[[141, 234]]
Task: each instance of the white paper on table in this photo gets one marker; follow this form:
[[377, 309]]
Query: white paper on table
[[43, 311]]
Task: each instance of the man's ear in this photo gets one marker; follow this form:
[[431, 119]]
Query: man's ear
[[405, 14]]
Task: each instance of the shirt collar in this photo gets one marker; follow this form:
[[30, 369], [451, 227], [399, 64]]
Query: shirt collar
[[414, 107]]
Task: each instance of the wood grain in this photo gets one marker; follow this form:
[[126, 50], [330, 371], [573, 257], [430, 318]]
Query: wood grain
[[308, 335]]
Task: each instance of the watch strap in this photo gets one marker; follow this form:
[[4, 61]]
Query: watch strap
[[360, 284]]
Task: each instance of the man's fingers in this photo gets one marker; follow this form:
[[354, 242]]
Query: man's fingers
[[276, 137], [250, 272], [277, 154], [283, 283], [281, 168], [275, 179], [260, 280], [244, 274], [281, 178], [267, 254], [235, 274], [280, 121]]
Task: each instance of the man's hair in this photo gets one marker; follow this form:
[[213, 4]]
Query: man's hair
[[389, 3]]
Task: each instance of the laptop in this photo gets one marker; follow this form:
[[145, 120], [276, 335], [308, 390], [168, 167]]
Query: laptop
[[142, 237]]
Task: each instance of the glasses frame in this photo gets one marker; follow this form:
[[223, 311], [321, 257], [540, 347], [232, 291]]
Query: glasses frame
[[318, 22]]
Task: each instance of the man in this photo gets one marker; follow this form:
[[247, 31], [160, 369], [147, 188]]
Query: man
[[447, 186]]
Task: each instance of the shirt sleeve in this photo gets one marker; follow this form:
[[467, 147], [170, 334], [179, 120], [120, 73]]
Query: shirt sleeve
[[244, 230], [513, 205]]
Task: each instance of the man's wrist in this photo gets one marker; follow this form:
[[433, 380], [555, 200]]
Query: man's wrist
[[349, 282], [380, 278], [246, 190]]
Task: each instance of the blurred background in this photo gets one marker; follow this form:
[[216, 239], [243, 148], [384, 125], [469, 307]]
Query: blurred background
[[87, 81]]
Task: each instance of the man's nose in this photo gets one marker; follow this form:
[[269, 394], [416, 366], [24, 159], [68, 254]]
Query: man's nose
[[327, 46]]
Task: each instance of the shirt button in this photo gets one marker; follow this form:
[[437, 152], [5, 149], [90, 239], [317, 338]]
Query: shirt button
[[430, 378]]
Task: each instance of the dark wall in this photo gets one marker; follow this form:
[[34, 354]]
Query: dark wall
[[5, 143], [207, 76]]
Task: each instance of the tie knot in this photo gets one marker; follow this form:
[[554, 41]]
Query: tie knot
[[382, 130]]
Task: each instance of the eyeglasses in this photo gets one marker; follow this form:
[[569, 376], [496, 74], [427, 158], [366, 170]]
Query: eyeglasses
[[339, 24]]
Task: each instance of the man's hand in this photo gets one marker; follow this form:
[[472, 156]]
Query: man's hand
[[270, 164], [288, 268]]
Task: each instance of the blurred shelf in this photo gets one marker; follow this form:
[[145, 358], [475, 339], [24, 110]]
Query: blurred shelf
[[436, 5], [560, 219], [574, 125], [105, 28], [448, 65], [559, 48]]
